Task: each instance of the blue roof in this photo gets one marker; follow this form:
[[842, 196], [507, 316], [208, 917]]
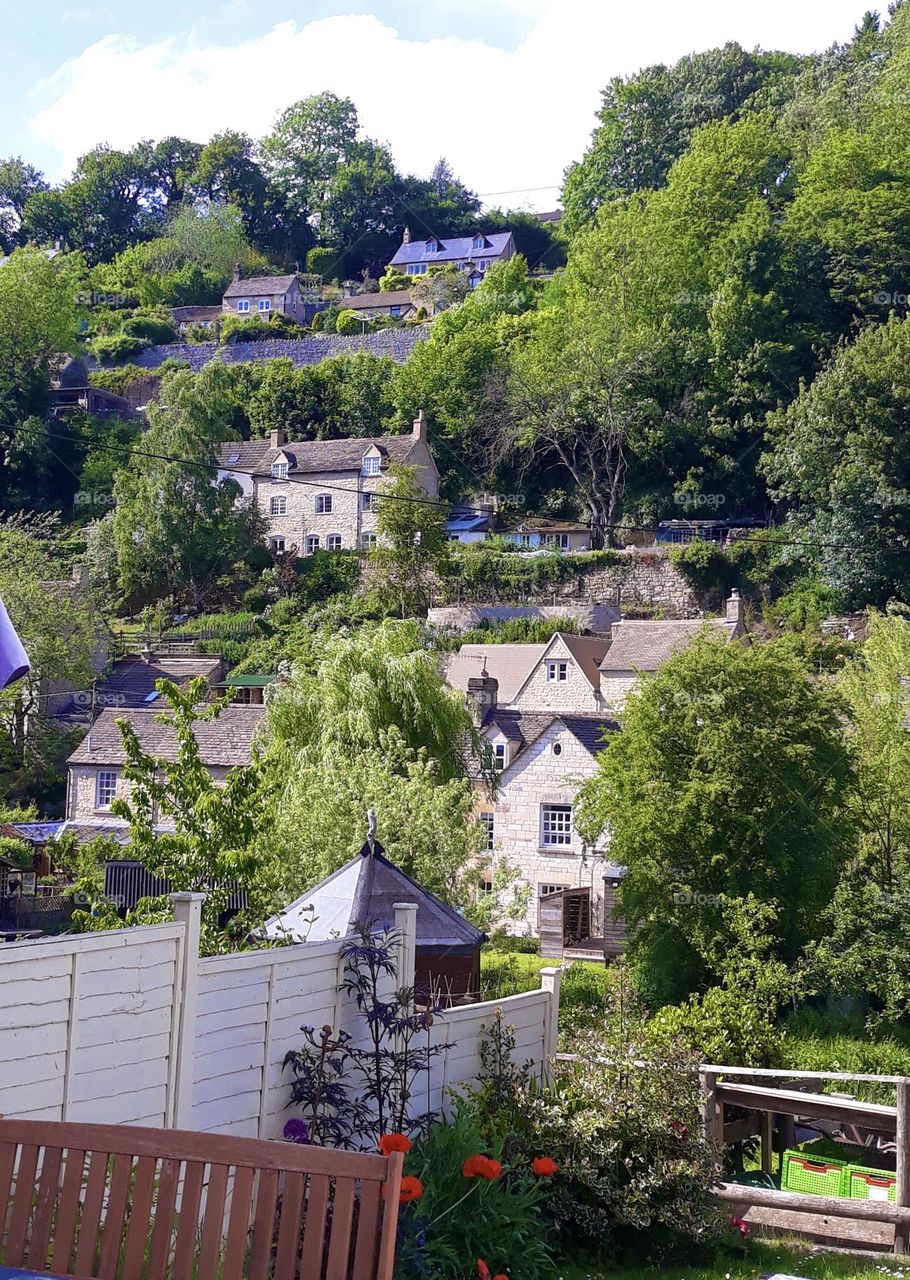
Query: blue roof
[[452, 249], [38, 832], [465, 522]]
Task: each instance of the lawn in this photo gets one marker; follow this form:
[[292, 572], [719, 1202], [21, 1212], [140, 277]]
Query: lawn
[[756, 1258]]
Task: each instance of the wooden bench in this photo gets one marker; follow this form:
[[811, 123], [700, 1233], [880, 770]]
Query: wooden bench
[[126, 1203]]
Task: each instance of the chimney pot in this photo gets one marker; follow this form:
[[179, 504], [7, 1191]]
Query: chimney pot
[[483, 691], [406, 236], [735, 607], [419, 430]]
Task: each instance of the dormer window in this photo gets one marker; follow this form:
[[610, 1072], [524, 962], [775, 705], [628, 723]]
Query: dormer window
[[433, 246], [479, 242], [557, 672], [279, 470], [499, 754], [372, 464]]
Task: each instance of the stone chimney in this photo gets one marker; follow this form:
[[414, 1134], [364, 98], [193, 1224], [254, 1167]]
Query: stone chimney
[[238, 272], [735, 608], [406, 236], [277, 437], [419, 430], [81, 575], [483, 691]]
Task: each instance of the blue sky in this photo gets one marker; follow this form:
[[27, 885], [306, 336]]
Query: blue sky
[[507, 89]]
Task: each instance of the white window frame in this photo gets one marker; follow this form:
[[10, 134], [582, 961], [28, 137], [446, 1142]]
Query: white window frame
[[556, 829], [543, 888], [499, 754], [105, 785], [417, 268], [265, 304], [368, 500], [557, 671], [558, 540], [488, 819], [278, 506], [279, 470], [243, 304], [277, 544], [312, 543], [478, 243], [368, 541], [372, 464], [395, 310], [323, 504], [334, 542]]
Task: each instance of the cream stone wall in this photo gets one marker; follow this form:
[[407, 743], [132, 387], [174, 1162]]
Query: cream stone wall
[[574, 694], [541, 776], [615, 689], [82, 790]]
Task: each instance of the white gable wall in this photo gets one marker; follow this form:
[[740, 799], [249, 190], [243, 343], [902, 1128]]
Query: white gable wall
[[574, 694]]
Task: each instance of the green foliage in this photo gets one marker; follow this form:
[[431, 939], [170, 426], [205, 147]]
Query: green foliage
[[392, 280], [17, 852], [413, 547], [324, 262], [122, 380], [152, 327], [245, 329], [730, 777], [348, 322], [118, 347], [705, 565]]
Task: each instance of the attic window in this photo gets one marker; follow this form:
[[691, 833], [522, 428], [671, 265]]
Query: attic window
[[279, 471], [557, 672], [372, 464], [432, 246], [479, 243], [499, 754], [234, 457]]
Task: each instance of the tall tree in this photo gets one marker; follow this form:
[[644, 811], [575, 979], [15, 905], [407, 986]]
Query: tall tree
[[310, 140], [412, 539]]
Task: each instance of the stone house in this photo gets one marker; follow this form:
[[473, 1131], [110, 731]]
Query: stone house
[[396, 303], [323, 494], [94, 769], [472, 254], [265, 296], [561, 675], [538, 534]]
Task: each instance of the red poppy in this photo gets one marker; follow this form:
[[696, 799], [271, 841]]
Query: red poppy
[[544, 1167], [741, 1226], [500, 1277], [390, 1142], [481, 1167], [681, 1130], [483, 1270], [411, 1189]]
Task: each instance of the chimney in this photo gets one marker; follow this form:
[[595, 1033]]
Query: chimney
[[277, 437], [483, 691], [81, 575], [735, 608], [406, 236], [419, 430], [238, 272]]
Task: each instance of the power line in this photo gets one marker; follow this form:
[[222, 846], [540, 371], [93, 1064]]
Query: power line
[[216, 467]]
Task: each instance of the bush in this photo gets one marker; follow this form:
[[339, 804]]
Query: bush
[[705, 566], [18, 852], [256, 599], [348, 322], [152, 328], [120, 381], [119, 347], [238, 329], [325, 262]]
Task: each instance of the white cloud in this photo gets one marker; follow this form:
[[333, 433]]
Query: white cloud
[[506, 119]]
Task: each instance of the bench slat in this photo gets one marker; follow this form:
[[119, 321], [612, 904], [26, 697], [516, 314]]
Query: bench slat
[[239, 1225], [112, 1233], [289, 1228], [386, 1264], [163, 1230], [188, 1218], [90, 1221], [263, 1226], [137, 1235], [340, 1242], [213, 1222], [22, 1205], [367, 1232], [65, 1229], [314, 1235], [44, 1209]]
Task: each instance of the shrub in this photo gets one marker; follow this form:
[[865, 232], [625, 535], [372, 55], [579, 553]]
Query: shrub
[[120, 381], [705, 566], [348, 322], [237, 329], [119, 347], [150, 327], [325, 262], [18, 852], [256, 599]]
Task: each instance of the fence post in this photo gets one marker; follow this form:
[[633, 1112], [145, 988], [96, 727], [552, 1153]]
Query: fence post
[[712, 1114], [550, 981], [186, 909], [902, 1190], [406, 928]]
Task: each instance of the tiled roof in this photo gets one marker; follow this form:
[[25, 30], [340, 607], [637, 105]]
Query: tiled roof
[[535, 524], [645, 646], [397, 344], [590, 731], [525, 727], [131, 680], [225, 740], [509, 664], [259, 285], [587, 652], [185, 315], [451, 249], [359, 301], [255, 457]]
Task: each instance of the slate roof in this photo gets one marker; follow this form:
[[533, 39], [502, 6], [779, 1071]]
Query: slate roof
[[255, 457], [587, 651], [131, 680], [510, 664], [364, 891], [397, 344], [640, 645], [255, 285], [188, 315], [451, 248], [225, 740], [537, 524], [523, 728], [360, 301]]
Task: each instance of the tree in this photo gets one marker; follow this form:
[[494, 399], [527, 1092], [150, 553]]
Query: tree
[[357, 213], [228, 173], [211, 849], [440, 288], [346, 687], [425, 824], [18, 182], [413, 545], [308, 143], [729, 778], [177, 528]]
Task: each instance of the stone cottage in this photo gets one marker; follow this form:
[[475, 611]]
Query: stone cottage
[[264, 296], [324, 494]]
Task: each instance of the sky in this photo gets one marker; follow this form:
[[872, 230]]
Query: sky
[[507, 90]]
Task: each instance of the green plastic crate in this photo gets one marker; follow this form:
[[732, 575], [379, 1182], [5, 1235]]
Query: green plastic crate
[[870, 1184], [818, 1176]]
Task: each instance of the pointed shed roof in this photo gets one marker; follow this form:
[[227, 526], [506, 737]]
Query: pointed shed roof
[[364, 891]]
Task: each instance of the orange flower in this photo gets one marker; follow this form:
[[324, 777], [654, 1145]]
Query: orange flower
[[544, 1167], [500, 1277], [390, 1142], [411, 1189], [482, 1269], [481, 1167]]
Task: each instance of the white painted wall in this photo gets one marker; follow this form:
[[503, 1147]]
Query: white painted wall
[[131, 1027]]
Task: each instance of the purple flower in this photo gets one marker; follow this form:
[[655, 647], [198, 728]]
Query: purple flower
[[296, 1131]]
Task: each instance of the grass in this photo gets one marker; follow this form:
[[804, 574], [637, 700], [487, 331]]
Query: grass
[[508, 973], [755, 1258]]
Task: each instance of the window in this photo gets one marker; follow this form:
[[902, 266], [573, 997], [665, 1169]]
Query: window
[[557, 748], [312, 543], [369, 501], [333, 542], [557, 672], [279, 471], [395, 311], [559, 540], [323, 504], [106, 788], [278, 506], [417, 268], [524, 539], [485, 888], [368, 541], [478, 243], [277, 544], [488, 821], [432, 246], [499, 755], [243, 304], [235, 457], [544, 889], [555, 825], [265, 304], [372, 464]]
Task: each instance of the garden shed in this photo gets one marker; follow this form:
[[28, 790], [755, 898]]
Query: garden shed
[[363, 893]]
